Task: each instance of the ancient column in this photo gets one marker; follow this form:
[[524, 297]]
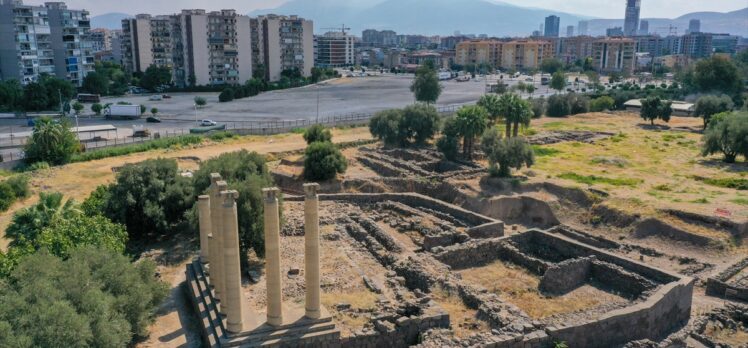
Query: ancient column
[[232, 303], [203, 211], [216, 269], [311, 250], [272, 257]]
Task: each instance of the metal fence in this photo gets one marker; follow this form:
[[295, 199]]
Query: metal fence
[[237, 127]]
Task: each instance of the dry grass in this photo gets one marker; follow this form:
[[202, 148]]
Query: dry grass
[[520, 287], [462, 318], [726, 336], [358, 299], [659, 166]]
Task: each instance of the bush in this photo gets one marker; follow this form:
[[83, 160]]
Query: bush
[[385, 126], [20, 185], [96, 298], [154, 111], [200, 101], [163, 143], [578, 104], [727, 134], [142, 109], [150, 198], [558, 106], [51, 142], [323, 161], [538, 107], [655, 108], [418, 124], [710, 105], [96, 108], [505, 154], [226, 96], [602, 103], [64, 235], [317, 133], [247, 173], [449, 143], [7, 196]]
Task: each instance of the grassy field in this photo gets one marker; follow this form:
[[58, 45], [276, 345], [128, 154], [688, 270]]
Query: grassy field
[[642, 167]]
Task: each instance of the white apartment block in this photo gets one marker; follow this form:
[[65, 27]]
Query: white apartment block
[[283, 43]]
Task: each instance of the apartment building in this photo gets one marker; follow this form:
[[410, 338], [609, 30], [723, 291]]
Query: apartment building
[[697, 45], [334, 49], [49, 39], [574, 48], [613, 54], [285, 43], [516, 54], [371, 37]]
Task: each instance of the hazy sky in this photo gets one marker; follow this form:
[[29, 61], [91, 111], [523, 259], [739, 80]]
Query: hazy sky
[[596, 8]]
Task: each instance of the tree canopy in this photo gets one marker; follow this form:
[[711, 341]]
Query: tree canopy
[[505, 154], [515, 111], [323, 161], [418, 124], [426, 86], [558, 81], [317, 133], [710, 105], [727, 134], [52, 142], [654, 108], [471, 121]]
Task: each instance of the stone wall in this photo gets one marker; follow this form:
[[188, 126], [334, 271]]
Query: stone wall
[[652, 227], [619, 280], [720, 285], [402, 331], [566, 276], [487, 230]]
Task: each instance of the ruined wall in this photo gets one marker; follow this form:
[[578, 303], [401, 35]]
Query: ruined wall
[[653, 227], [720, 286], [566, 276]]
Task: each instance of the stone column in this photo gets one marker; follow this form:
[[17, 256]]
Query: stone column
[[203, 210], [272, 257], [311, 250], [216, 269], [232, 303]]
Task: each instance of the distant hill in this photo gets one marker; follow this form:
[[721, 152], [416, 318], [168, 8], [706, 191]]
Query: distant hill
[[109, 20], [428, 17], [735, 23]]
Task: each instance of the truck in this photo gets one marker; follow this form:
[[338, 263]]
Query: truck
[[123, 111], [445, 75]]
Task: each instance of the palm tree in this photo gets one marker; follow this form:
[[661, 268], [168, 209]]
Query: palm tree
[[471, 122], [515, 111], [28, 223], [492, 104]]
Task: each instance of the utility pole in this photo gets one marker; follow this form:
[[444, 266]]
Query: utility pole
[[317, 121]]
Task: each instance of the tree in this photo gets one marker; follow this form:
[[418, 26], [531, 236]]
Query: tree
[[655, 108], [247, 173], [78, 107], [7, 196], [142, 109], [602, 103], [155, 77], [505, 154], [96, 298], [530, 89], [615, 77], [80, 230], [727, 134], [418, 124], [426, 86], [538, 107], [96, 108], [200, 101], [51, 142], [717, 74], [154, 111], [515, 111], [317, 133], [58, 91], [323, 161], [449, 143], [150, 198], [558, 106], [710, 105], [35, 97], [96, 83], [226, 95], [471, 121], [551, 65], [492, 104], [558, 81], [27, 224], [385, 126], [11, 95], [578, 104]]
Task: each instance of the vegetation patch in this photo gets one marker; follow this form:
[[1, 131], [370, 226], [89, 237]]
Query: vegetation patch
[[184, 140], [732, 183], [611, 161], [594, 179], [541, 151], [741, 201]]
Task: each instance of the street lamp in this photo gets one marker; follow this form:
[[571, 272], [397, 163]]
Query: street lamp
[[195, 105]]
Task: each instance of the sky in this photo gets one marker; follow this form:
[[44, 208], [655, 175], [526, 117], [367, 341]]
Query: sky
[[595, 8]]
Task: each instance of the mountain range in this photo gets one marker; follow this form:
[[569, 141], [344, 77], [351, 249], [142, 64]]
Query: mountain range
[[444, 17]]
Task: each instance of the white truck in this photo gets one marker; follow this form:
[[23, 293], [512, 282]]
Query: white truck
[[445, 75], [123, 111]]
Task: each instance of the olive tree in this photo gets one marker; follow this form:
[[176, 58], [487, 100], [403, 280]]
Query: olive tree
[[505, 154], [710, 105], [655, 108], [727, 134]]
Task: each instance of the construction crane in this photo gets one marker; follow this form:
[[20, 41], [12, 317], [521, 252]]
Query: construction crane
[[341, 29], [672, 30]]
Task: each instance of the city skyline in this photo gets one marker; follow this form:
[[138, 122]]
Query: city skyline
[[593, 8]]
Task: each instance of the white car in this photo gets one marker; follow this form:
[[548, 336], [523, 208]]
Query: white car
[[155, 98], [207, 123]]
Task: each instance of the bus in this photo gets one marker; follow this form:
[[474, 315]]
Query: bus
[[89, 98]]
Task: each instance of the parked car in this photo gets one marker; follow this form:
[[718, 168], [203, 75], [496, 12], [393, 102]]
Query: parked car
[[153, 119], [155, 98], [166, 96], [208, 123]]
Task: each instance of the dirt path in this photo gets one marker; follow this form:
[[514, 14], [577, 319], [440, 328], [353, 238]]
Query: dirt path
[[78, 180]]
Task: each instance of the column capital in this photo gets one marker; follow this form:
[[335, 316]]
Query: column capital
[[229, 197], [270, 194], [214, 178], [311, 190], [203, 198]]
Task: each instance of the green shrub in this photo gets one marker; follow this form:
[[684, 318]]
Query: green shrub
[[317, 133], [226, 96], [385, 126], [163, 143], [96, 298], [418, 124], [558, 106], [732, 183], [96, 108], [7, 196], [727, 134], [323, 161], [221, 136], [538, 107], [578, 104], [602, 103], [449, 143], [593, 179], [543, 151], [247, 173], [200, 101], [20, 185], [51, 142], [505, 154]]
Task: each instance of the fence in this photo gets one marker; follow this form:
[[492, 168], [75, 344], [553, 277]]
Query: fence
[[237, 127]]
